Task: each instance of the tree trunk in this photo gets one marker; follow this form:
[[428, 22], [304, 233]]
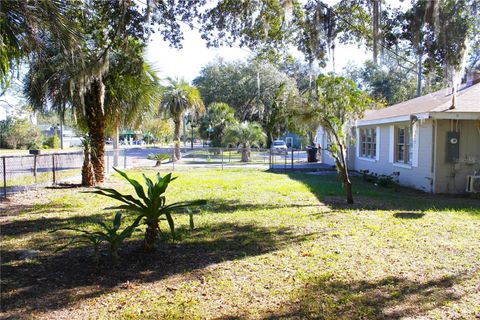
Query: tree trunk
[[348, 190], [176, 140], [96, 127], [88, 176], [419, 75], [375, 29], [246, 154], [151, 236], [114, 253]]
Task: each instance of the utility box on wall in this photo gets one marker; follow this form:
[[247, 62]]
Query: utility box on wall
[[453, 147]]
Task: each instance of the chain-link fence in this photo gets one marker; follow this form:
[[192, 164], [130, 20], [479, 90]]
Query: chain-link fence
[[20, 173]]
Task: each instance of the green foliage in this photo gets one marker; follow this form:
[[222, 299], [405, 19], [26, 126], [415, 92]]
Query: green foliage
[[389, 83], [335, 103], [159, 157], [246, 134], [382, 180], [150, 204], [20, 133], [109, 233], [178, 98], [248, 87], [160, 129], [218, 118]]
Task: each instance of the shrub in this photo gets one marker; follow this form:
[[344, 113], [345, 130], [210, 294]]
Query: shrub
[[159, 157], [150, 205], [107, 233], [382, 180]]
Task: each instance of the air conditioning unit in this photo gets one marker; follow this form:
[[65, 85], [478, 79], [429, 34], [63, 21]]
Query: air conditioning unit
[[473, 183]]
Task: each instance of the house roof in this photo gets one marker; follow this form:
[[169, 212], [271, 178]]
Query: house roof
[[467, 101]]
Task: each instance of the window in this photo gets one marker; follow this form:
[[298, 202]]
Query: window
[[403, 145], [368, 142]]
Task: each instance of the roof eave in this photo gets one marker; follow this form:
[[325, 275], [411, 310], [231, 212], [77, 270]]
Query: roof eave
[[455, 115], [361, 123]]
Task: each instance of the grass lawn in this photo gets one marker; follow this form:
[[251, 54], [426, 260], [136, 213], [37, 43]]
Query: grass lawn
[[267, 246]]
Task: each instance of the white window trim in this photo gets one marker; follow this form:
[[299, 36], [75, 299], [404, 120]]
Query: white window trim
[[377, 144], [391, 147], [367, 159], [415, 142], [402, 165]]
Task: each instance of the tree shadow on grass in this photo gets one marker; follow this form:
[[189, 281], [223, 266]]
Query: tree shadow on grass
[[388, 298], [24, 226], [328, 189], [221, 206], [58, 280], [408, 215]]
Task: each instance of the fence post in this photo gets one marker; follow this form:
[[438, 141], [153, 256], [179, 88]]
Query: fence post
[[4, 178], [221, 150], [270, 160], [292, 159], [124, 158], [53, 168], [35, 167], [285, 166], [173, 160]]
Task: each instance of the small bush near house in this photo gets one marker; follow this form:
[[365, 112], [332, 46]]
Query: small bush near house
[[382, 180]]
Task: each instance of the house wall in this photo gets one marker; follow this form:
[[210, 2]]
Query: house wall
[[419, 174], [322, 142], [452, 177]]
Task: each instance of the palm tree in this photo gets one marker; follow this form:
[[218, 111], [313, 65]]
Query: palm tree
[[219, 116], [178, 98], [247, 135], [132, 94], [24, 26]]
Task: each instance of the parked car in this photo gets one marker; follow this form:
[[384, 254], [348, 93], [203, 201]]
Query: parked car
[[279, 146]]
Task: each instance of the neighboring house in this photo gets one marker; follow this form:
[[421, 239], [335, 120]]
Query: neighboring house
[[433, 140], [70, 137], [292, 140]]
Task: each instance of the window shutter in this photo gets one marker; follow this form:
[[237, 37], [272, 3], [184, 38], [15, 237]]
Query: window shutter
[[391, 147], [415, 141], [377, 144]]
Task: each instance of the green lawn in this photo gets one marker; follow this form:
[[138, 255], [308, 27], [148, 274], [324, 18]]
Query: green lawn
[[267, 246]]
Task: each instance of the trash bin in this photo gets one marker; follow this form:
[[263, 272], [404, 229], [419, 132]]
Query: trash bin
[[312, 154]]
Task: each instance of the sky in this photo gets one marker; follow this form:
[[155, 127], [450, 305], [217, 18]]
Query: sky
[[187, 62]]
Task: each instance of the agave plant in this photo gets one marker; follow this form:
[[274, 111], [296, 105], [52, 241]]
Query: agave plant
[[159, 157], [109, 233], [150, 204]]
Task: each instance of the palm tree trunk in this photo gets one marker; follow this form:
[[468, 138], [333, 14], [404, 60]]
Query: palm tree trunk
[[150, 236], [176, 140], [246, 154], [88, 177], [96, 127]]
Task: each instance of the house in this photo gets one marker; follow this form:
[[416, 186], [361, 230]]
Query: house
[[433, 141], [292, 140]]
